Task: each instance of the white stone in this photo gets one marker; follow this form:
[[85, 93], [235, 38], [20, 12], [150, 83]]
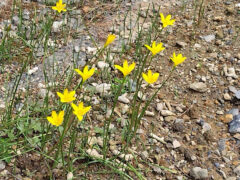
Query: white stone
[[149, 113], [227, 97], [102, 88], [33, 70], [70, 176], [102, 64], [124, 99], [199, 87], [176, 144], [94, 153], [56, 27], [167, 113]]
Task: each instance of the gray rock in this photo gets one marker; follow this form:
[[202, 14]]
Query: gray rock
[[157, 170], [206, 127], [26, 14], [208, 38], [15, 20], [233, 111], [199, 173], [132, 85], [181, 44], [199, 87], [237, 94], [222, 145], [144, 154], [234, 125], [230, 72], [237, 170], [2, 165], [102, 88], [56, 27]]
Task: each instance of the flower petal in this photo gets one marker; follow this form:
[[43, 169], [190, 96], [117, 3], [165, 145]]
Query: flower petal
[[131, 67], [79, 72]]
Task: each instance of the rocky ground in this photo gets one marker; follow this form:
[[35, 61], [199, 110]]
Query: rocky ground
[[192, 127]]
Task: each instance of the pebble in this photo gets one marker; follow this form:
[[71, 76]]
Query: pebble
[[176, 144], [144, 155], [15, 20], [237, 94], [124, 99], [220, 112], [229, 72], [102, 64], [154, 136], [189, 156], [126, 157], [94, 153], [77, 49], [199, 87], [167, 113], [199, 173], [141, 96], [2, 165], [181, 44], [233, 112], [56, 26], [208, 38], [159, 106], [234, 125], [43, 92], [206, 127], [31, 71], [237, 170], [70, 176], [149, 113], [102, 88], [169, 118], [227, 97], [231, 178], [222, 145]]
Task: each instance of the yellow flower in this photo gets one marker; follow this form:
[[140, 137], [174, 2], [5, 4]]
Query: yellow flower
[[66, 96], [80, 110], [59, 6], [177, 59], [56, 119], [150, 78], [155, 48], [125, 69], [110, 39], [166, 21], [86, 73]]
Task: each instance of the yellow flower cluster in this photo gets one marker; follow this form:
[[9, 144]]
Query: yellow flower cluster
[[69, 96]]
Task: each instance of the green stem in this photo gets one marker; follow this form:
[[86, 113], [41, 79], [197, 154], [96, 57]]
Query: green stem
[[106, 125]]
